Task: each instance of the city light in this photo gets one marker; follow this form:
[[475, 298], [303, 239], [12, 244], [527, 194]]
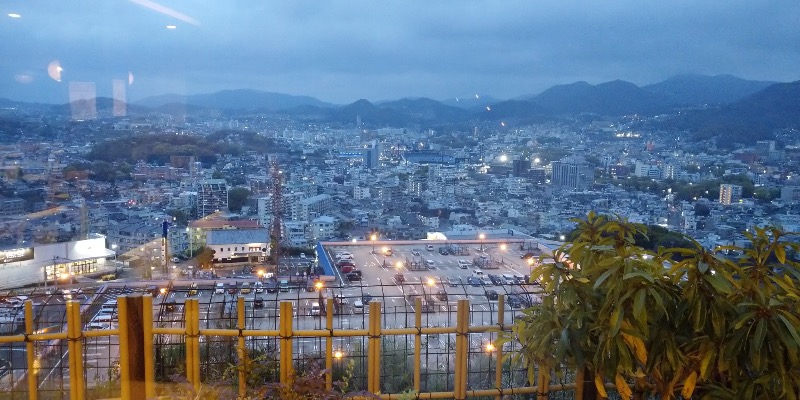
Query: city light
[[338, 354], [490, 347]]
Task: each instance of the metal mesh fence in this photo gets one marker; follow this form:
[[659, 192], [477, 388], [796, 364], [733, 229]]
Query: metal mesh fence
[[219, 363]]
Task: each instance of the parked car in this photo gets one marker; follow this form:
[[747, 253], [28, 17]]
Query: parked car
[[347, 269], [284, 285], [491, 295], [272, 286], [429, 247], [399, 278], [496, 280], [258, 302], [453, 281], [443, 251], [366, 298], [415, 252], [475, 281], [258, 287], [514, 301], [441, 295], [219, 288], [352, 277]]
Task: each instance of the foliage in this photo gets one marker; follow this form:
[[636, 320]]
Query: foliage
[[237, 197], [704, 327], [205, 257]]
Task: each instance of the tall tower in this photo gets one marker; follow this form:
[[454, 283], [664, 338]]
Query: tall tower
[[276, 176]]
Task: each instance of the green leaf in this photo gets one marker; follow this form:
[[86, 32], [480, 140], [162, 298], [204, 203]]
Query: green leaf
[[638, 304], [603, 277], [641, 274], [790, 327], [702, 267], [780, 253], [758, 337]]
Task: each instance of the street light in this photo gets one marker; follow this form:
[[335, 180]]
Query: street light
[[503, 248], [530, 265], [318, 286], [373, 238], [481, 237]]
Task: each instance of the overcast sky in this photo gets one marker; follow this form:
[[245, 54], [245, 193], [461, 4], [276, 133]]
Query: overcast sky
[[343, 50]]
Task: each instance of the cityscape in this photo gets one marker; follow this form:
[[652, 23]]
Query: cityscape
[[427, 206]]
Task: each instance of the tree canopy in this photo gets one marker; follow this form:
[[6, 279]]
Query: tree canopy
[[704, 327]]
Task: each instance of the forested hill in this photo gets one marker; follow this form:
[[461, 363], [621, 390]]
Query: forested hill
[[157, 148]]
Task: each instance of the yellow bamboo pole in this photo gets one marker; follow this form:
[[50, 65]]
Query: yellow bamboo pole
[[543, 383], [33, 371], [329, 344], [498, 367], [195, 339], [124, 350], [287, 369], [75, 347], [417, 343], [374, 348], [462, 349], [241, 349], [149, 358], [187, 315], [580, 377]]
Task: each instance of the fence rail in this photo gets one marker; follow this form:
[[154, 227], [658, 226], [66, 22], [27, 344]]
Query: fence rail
[[149, 346]]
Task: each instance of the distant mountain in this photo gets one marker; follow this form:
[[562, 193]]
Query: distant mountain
[[471, 102], [690, 90], [103, 105], [425, 109], [752, 118], [241, 99], [512, 109], [610, 98]]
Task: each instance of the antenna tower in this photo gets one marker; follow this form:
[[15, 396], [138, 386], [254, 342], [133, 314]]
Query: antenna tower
[[276, 176]]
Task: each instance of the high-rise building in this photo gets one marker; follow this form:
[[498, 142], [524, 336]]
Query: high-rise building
[[372, 155], [573, 173], [729, 194], [520, 167], [212, 196]]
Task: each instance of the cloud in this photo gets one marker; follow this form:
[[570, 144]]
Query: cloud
[[342, 51]]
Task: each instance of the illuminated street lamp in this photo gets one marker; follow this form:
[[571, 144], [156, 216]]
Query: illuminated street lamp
[[373, 238], [338, 354], [503, 248], [398, 265], [481, 237], [319, 286], [530, 265], [489, 347]]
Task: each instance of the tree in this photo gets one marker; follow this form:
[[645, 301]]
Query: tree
[[703, 327], [237, 197], [205, 257]]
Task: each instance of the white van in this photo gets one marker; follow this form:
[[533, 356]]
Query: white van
[[343, 256], [219, 288], [464, 264], [315, 309], [103, 317], [358, 307], [430, 263], [478, 273], [109, 306], [508, 278]]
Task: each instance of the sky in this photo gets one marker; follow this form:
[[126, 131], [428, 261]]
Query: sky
[[340, 51]]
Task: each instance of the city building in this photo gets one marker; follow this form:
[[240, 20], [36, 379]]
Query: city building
[[572, 173], [730, 194], [238, 245], [53, 262], [212, 196]]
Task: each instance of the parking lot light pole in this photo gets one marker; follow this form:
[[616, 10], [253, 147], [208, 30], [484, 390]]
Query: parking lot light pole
[[319, 286], [530, 266], [503, 248], [481, 237], [373, 238]]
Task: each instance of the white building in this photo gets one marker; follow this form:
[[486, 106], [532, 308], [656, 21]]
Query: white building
[[238, 245]]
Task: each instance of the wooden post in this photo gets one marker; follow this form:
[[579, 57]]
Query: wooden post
[[462, 350], [33, 372], [374, 348], [543, 383], [131, 326], [286, 331], [498, 364], [240, 348], [417, 343], [329, 344]]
